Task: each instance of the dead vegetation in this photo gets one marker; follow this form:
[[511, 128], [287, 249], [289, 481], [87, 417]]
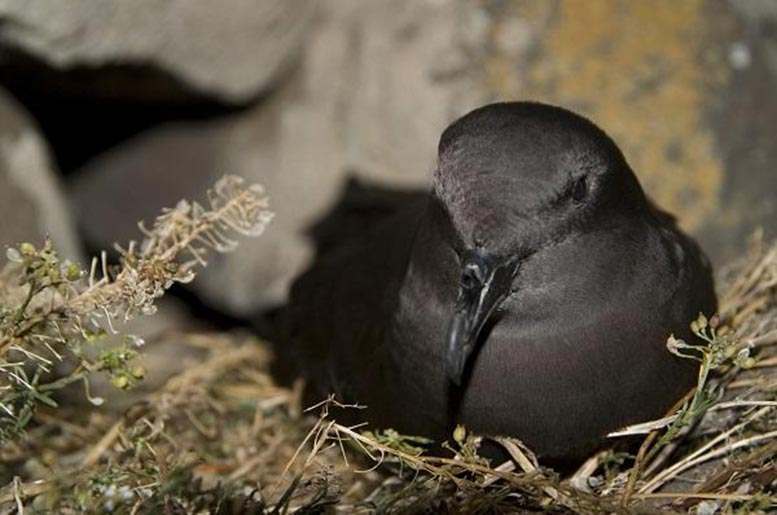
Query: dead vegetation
[[222, 437]]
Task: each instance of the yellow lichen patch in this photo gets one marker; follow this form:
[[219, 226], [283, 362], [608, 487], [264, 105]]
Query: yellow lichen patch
[[639, 69]]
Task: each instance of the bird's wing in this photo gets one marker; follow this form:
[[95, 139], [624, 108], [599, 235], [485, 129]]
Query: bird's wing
[[340, 308], [362, 208]]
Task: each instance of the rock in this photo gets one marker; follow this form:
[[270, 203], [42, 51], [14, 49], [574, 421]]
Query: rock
[[744, 126], [230, 50], [32, 204], [377, 83]]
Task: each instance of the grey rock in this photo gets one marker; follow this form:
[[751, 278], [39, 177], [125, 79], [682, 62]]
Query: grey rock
[[744, 125], [377, 82], [32, 204], [231, 50]]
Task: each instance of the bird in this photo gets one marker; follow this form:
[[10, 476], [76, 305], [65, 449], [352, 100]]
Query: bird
[[529, 293]]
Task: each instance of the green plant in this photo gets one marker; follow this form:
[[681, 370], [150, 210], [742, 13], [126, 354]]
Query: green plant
[[52, 312]]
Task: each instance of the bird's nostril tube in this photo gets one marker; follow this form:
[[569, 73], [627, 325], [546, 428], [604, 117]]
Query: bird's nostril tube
[[470, 277]]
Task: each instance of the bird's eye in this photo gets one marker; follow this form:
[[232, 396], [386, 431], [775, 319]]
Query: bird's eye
[[580, 190]]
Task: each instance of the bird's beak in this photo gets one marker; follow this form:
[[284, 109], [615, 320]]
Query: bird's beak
[[486, 281]]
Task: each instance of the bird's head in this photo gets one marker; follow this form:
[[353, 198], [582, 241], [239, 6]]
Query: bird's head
[[513, 178]]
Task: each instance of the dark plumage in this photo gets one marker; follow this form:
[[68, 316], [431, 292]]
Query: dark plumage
[[529, 294]]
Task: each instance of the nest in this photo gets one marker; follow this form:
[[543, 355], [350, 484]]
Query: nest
[[223, 437]]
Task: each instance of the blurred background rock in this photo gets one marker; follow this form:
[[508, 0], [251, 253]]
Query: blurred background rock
[[145, 102]]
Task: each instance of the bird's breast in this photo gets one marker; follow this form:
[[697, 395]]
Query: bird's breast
[[579, 349]]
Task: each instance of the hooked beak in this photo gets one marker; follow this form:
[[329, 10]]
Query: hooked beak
[[486, 281]]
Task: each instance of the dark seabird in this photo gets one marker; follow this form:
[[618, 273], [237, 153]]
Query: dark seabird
[[530, 294]]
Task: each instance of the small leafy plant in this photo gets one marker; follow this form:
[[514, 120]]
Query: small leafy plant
[[53, 312], [716, 351]]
